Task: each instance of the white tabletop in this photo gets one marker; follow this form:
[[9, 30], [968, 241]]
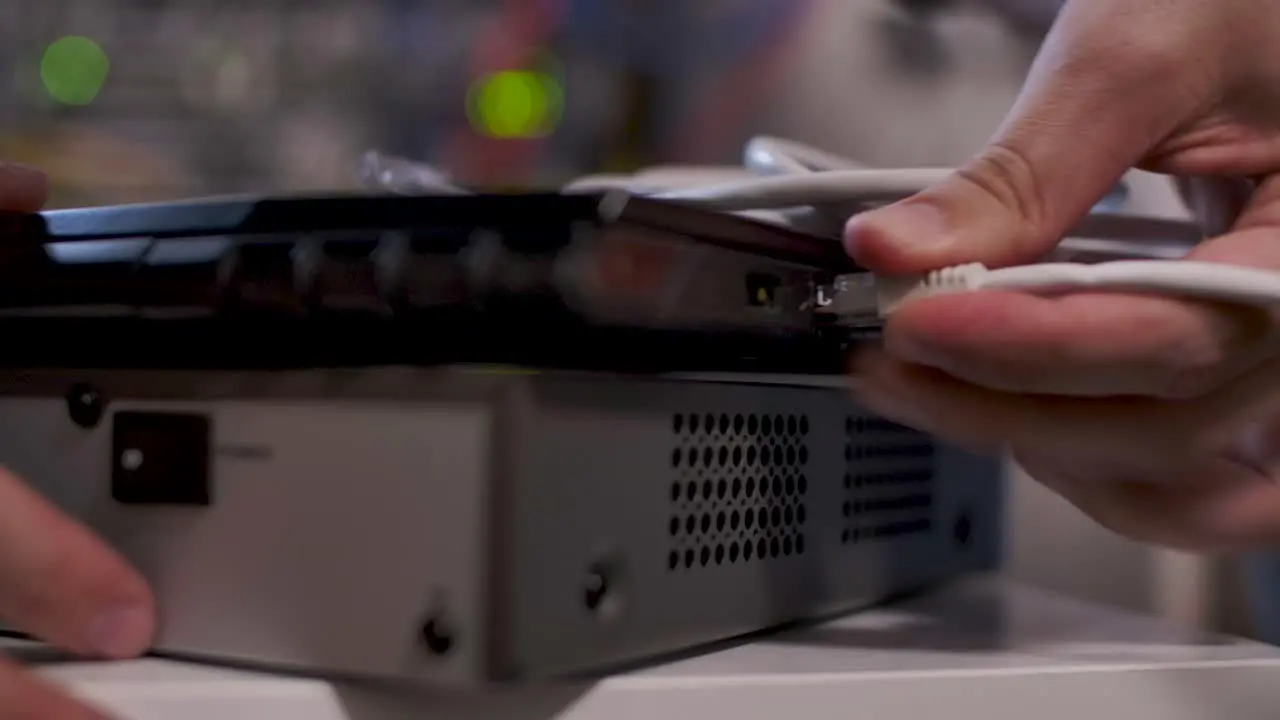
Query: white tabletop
[[983, 649]]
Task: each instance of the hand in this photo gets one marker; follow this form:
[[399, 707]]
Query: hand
[[1158, 417], [58, 582]]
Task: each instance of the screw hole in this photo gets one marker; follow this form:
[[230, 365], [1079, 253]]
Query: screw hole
[[601, 584], [962, 532], [595, 590], [437, 636], [85, 405]]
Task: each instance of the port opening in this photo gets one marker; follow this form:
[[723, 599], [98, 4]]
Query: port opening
[[762, 289]]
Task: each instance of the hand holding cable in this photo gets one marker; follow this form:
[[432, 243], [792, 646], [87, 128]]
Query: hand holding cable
[[1150, 397]]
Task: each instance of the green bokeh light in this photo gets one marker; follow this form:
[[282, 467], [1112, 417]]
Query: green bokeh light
[[515, 104], [73, 70]]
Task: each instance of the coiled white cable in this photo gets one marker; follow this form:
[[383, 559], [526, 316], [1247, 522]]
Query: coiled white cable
[[788, 183], [797, 176], [814, 188]]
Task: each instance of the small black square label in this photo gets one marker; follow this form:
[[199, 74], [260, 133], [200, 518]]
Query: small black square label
[[160, 458]]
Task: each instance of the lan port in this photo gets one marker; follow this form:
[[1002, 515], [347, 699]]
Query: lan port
[[762, 290]]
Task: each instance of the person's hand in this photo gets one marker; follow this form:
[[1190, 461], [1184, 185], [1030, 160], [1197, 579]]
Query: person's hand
[[1158, 417], [58, 582]]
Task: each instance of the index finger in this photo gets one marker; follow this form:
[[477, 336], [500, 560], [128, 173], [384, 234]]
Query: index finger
[[1081, 345], [1094, 344]]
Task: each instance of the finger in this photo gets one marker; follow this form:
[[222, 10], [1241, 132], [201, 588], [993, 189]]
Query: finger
[[1098, 344], [22, 188], [927, 400], [1228, 511], [1093, 105], [1181, 494], [1226, 508], [1081, 345], [61, 584], [1246, 405], [1125, 434], [24, 697]]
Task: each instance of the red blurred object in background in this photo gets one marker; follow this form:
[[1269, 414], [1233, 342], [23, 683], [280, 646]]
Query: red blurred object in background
[[513, 38]]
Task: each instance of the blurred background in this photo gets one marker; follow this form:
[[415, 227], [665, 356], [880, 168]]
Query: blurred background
[[128, 100], [131, 99], [143, 99]]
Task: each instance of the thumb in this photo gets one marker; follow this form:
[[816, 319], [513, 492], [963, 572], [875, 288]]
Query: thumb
[[1090, 109]]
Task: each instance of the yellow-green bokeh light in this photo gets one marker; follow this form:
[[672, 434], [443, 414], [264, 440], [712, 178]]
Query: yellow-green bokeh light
[[73, 70], [515, 104]]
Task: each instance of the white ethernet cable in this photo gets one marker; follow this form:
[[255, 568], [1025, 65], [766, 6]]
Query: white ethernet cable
[[794, 178], [788, 183], [865, 297]]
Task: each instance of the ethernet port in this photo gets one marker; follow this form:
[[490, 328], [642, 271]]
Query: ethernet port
[[762, 290]]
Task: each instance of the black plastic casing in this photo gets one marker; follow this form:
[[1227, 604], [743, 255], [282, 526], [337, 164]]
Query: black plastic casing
[[603, 281]]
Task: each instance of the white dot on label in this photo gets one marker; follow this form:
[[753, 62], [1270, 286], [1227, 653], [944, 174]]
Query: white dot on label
[[131, 459]]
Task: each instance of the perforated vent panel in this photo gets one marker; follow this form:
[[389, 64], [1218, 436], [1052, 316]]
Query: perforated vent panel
[[738, 490], [888, 481]]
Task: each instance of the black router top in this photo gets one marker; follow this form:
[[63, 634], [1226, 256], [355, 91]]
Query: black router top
[[600, 281], [522, 214]]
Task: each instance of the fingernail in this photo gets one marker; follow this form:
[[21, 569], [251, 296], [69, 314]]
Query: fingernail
[[121, 632], [25, 172], [900, 410], [876, 393], [863, 382], [906, 224], [913, 349], [864, 360], [24, 178]]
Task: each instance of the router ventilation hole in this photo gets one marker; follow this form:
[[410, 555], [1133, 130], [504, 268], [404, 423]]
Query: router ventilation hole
[[738, 488], [888, 481]]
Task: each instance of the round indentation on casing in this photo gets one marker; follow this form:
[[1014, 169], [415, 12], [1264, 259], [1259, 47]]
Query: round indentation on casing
[[962, 530], [602, 586], [85, 405], [438, 637]]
